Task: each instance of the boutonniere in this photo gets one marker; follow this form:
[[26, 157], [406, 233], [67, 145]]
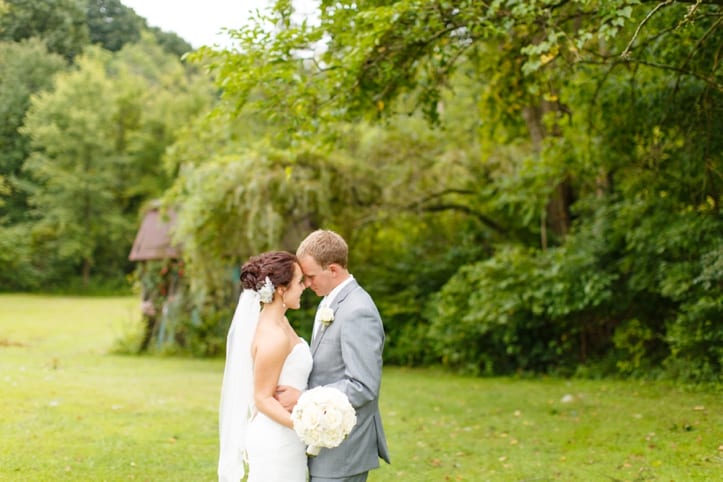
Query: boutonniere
[[326, 316]]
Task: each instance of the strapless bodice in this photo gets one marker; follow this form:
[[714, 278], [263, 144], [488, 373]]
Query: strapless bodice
[[297, 366]]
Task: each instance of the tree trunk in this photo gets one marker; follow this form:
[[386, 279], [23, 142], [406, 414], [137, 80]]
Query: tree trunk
[[86, 272], [556, 216]]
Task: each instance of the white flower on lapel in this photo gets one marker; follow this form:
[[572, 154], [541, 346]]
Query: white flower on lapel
[[326, 315]]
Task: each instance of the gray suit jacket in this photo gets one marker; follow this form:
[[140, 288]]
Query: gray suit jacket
[[348, 356]]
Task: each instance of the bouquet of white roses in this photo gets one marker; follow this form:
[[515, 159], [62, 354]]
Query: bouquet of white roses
[[323, 417]]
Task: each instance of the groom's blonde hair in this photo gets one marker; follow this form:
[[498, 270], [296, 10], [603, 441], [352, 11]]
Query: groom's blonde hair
[[326, 247]]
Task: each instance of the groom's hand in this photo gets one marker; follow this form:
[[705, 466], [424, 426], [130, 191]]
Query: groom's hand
[[287, 396]]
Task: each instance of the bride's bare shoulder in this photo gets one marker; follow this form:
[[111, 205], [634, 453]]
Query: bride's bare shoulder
[[269, 335]]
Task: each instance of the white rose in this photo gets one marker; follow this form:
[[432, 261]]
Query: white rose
[[326, 315], [332, 418], [311, 417]]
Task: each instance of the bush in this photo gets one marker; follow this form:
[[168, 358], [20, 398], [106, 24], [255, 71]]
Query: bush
[[634, 292]]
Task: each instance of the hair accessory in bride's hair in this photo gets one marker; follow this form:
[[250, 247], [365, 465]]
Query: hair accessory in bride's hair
[[266, 292]]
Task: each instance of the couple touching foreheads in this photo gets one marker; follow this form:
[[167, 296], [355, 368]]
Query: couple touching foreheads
[[268, 367]]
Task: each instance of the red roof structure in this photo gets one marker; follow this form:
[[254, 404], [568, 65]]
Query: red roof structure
[[153, 240]]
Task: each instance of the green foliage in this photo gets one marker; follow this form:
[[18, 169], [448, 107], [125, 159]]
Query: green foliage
[[98, 139], [594, 131], [254, 199], [73, 133], [66, 27], [171, 323], [27, 68], [115, 133], [113, 25], [558, 211], [160, 97], [380, 59], [401, 265], [695, 336], [489, 317], [235, 206], [60, 24], [16, 258], [170, 42], [647, 224], [632, 338], [650, 297]]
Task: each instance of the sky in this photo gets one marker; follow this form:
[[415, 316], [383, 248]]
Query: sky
[[199, 22]]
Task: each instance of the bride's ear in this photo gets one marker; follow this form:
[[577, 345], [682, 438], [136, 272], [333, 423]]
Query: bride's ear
[[282, 294]]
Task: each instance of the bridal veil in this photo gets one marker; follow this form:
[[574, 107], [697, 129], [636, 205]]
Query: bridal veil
[[237, 403]]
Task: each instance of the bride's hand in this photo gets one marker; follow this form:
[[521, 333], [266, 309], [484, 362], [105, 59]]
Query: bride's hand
[[287, 396]]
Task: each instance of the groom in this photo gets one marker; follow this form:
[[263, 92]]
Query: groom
[[347, 352]]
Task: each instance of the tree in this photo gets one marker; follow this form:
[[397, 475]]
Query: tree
[[61, 24], [112, 25], [381, 59], [74, 130], [171, 42], [597, 126], [27, 69], [166, 96], [98, 140]]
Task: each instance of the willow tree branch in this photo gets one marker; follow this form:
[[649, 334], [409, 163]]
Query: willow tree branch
[[650, 14], [708, 80]]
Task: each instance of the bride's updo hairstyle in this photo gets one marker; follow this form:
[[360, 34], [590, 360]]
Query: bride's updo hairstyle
[[277, 265]]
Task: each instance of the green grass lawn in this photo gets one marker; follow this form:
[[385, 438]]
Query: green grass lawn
[[70, 410]]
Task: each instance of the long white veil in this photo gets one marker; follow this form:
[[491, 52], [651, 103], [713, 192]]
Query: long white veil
[[237, 401]]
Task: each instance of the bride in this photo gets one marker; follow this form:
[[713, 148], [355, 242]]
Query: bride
[[262, 352]]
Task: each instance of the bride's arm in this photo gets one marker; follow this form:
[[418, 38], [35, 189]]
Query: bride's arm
[[270, 351]]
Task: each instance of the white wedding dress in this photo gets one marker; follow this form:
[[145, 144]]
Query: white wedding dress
[[275, 452]]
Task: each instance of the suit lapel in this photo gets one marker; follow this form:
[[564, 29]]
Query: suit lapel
[[338, 299]]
